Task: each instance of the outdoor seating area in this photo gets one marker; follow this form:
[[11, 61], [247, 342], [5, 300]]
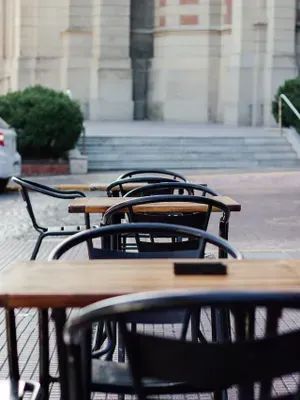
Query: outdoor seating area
[[145, 296]]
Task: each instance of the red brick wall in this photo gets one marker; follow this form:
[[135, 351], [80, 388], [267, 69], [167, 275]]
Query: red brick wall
[[185, 2], [45, 169], [162, 21], [189, 19]]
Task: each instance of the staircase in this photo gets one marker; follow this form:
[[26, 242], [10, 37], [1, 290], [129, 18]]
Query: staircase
[[241, 152]]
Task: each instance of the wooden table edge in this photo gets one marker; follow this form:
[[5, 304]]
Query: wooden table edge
[[58, 301], [85, 208]]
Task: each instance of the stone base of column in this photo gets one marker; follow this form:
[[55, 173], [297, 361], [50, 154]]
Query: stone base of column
[[23, 72], [179, 95], [104, 110], [238, 96], [111, 92], [47, 72], [178, 111], [274, 78]]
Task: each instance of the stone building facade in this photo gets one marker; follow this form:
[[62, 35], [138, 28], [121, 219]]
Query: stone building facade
[[173, 60]]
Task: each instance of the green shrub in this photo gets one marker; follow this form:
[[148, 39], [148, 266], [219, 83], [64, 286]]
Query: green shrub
[[291, 88], [47, 122]]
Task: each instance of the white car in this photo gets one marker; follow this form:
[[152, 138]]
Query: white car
[[10, 160]]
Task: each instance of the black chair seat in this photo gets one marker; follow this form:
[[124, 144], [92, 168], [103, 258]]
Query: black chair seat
[[13, 390], [113, 377]]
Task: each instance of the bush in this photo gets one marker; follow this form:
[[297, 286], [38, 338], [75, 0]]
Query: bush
[[291, 88], [47, 122]]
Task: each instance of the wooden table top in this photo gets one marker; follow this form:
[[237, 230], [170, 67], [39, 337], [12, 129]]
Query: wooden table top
[[101, 204], [61, 284], [84, 187]]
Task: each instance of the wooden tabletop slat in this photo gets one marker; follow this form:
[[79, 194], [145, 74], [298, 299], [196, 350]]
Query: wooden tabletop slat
[[78, 283], [101, 204]]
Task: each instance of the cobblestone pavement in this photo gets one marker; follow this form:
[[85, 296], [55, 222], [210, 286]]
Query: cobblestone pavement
[[267, 227]]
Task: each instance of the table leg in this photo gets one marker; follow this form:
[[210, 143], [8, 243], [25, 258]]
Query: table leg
[[87, 221], [44, 351], [12, 345], [224, 233], [116, 242], [59, 317]]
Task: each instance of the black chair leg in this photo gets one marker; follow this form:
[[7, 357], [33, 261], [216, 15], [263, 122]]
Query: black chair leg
[[121, 355], [112, 339], [99, 336], [37, 246], [185, 326]]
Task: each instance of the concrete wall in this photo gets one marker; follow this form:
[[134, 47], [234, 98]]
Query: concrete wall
[[172, 60]]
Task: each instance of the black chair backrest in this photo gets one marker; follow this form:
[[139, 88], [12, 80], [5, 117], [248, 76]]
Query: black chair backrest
[[27, 185], [197, 220], [110, 231], [202, 367], [181, 187], [161, 172], [146, 180]]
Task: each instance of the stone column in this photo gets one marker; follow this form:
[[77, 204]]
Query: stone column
[[280, 61], [2, 44], [7, 43], [51, 20], [77, 51], [185, 68], [23, 60], [239, 76], [111, 75]]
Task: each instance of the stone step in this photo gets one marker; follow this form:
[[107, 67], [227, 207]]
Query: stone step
[[154, 141], [124, 150], [183, 156], [131, 164], [243, 152]]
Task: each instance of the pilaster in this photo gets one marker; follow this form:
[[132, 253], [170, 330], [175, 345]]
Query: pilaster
[[280, 62], [238, 83], [111, 74], [185, 67], [77, 51], [51, 20], [24, 46]]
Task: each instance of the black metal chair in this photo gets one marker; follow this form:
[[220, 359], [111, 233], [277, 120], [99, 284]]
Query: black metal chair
[[174, 250], [117, 187], [160, 365], [160, 172], [26, 186], [181, 187], [171, 250], [14, 388], [197, 220]]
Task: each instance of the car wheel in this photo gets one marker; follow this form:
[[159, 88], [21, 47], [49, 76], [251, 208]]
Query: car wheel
[[3, 183]]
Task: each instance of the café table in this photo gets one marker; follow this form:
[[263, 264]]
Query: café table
[[89, 205], [62, 284], [101, 204]]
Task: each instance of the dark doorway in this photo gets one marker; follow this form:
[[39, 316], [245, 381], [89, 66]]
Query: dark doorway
[[141, 53]]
